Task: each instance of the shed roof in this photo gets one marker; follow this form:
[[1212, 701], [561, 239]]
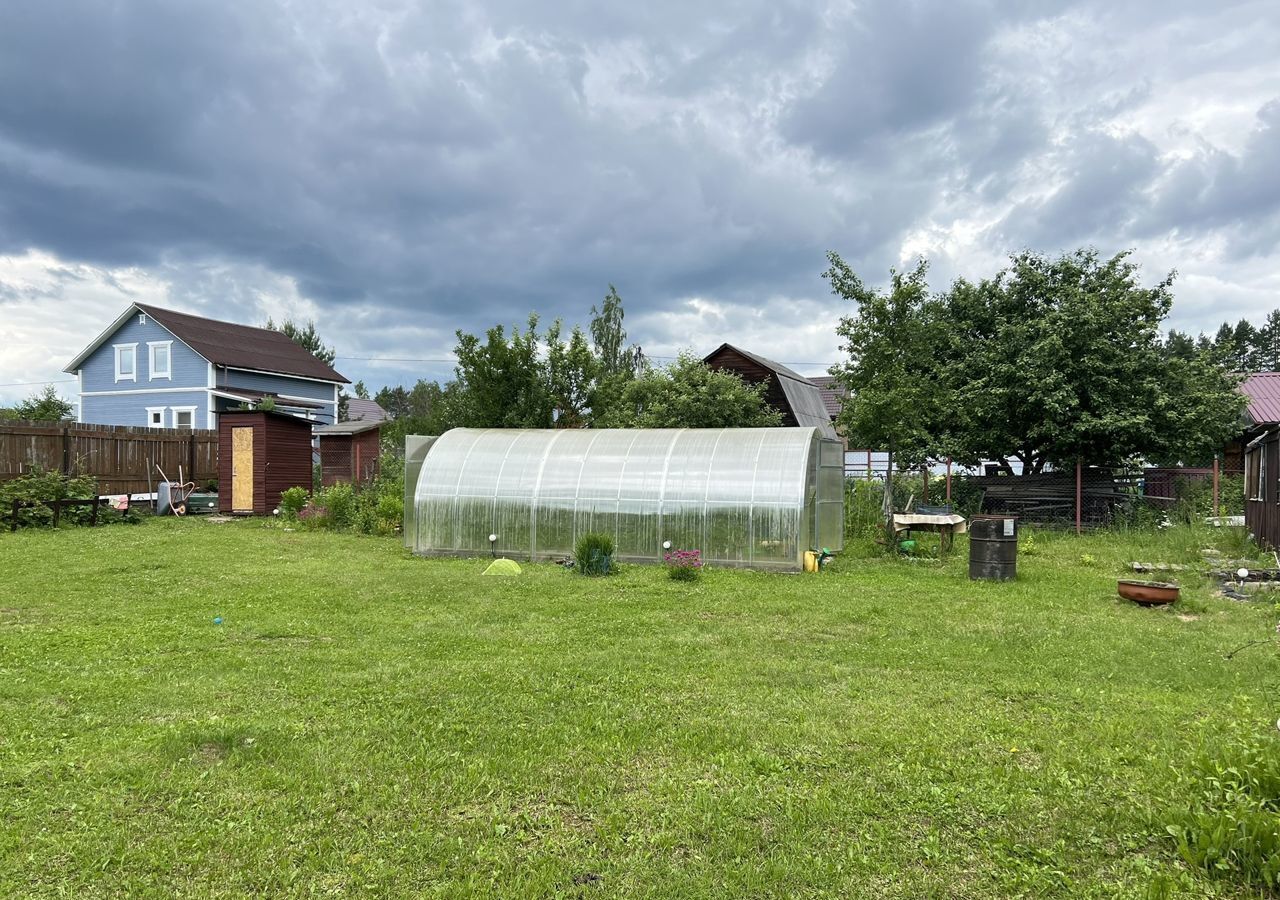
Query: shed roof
[[228, 344], [1262, 389], [346, 429]]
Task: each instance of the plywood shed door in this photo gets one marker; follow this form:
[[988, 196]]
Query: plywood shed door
[[242, 469]]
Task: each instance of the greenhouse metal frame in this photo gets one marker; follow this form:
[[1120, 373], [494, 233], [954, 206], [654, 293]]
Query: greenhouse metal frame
[[751, 497]]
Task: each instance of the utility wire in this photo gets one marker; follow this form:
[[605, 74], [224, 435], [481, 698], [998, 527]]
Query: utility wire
[[25, 383]]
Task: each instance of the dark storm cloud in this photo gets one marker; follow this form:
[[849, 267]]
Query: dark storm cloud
[[450, 164]]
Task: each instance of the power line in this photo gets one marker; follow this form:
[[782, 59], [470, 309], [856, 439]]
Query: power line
[[25, 383]]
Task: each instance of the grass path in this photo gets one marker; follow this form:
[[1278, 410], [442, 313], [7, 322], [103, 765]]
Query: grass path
[[367, 723]]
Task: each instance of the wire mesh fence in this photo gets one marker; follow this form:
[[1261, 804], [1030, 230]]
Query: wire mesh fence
[[1103, 498]]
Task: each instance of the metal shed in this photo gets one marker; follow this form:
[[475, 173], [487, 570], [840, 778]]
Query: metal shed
[[752, 497]]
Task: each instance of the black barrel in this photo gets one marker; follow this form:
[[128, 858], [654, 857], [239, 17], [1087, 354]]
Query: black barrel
[[993, 548]]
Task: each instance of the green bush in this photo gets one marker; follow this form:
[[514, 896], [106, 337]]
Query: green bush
[[1226, 817], [339, 504], [41, 485], [292, 501], [594, 554]]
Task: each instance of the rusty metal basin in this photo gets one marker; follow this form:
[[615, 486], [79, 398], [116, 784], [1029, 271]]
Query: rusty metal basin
[[1148, 593]]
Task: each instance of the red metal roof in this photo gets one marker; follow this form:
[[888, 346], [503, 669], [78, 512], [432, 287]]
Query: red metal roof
[[1263, 391]]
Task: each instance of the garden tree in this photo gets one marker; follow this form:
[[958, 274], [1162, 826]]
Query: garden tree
[[1197, 410], [360, 390], [689, 394], [573, 371], [309, 339], [897, 395], [1060, 359], [42, 406], [503, 380]]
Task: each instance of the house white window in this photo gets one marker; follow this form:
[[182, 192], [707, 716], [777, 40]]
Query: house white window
[[126, 362], [155, 416], [183, 416], [160, 352]]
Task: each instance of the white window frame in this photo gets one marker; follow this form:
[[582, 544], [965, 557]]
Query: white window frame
[[174, 410], [133, 349], [152, 372], [152, 412]]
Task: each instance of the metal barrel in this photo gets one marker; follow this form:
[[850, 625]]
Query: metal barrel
[[993, 548]]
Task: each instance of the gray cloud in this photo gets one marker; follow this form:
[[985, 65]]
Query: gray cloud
[[421, 167]]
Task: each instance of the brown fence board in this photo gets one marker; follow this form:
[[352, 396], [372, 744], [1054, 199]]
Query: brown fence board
[[118, 456]]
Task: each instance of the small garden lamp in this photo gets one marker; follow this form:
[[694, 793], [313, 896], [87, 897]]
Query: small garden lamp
[[492, 540]]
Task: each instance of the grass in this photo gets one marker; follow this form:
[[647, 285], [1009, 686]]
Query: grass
[[367, 723]]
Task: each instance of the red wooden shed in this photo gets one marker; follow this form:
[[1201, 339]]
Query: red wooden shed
[[260, 454], [349, 452]]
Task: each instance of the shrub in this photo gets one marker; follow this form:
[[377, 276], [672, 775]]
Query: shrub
[[594, 554], [1226, 820], [339, 500], [42, 485], [683, 565], [292, 501]]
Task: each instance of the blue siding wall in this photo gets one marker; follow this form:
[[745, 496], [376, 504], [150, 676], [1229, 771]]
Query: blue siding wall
[[282, 385], [131, 409], [98, 373], [189, 368]]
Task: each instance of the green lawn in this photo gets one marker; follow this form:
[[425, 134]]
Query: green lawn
[[367, 723]]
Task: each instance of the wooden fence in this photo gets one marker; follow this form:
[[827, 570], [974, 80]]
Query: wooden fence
[[120, 457]]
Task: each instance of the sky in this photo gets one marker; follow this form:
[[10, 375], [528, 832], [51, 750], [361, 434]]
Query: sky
[[400, 170]]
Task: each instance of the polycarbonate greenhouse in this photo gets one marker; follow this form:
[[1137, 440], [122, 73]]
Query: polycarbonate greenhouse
[[756, 497]]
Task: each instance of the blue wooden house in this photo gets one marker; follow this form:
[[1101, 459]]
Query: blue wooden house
[[158, 368]]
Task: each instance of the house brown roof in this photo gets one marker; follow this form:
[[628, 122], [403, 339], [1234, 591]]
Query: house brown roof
[[242, 346]]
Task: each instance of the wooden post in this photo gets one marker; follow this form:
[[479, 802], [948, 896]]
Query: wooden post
[[924, 485], [948, 479], [66, 450], [868, 465], [1217, 508], [1079, 496]]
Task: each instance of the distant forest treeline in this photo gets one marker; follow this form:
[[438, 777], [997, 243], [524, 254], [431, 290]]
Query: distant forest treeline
[[1245, 347]]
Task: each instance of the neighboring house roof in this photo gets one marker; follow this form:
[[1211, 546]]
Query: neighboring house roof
[[346, 428], [801, 396], [365, 410], [1262, 389], [832, 394], [227, 344]]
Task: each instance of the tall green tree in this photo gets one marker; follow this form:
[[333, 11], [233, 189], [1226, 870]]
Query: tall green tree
[[573, 371], [897, 390], [504, 379], [690, 394], [609, 339], [360, 390], [1267, 357]]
